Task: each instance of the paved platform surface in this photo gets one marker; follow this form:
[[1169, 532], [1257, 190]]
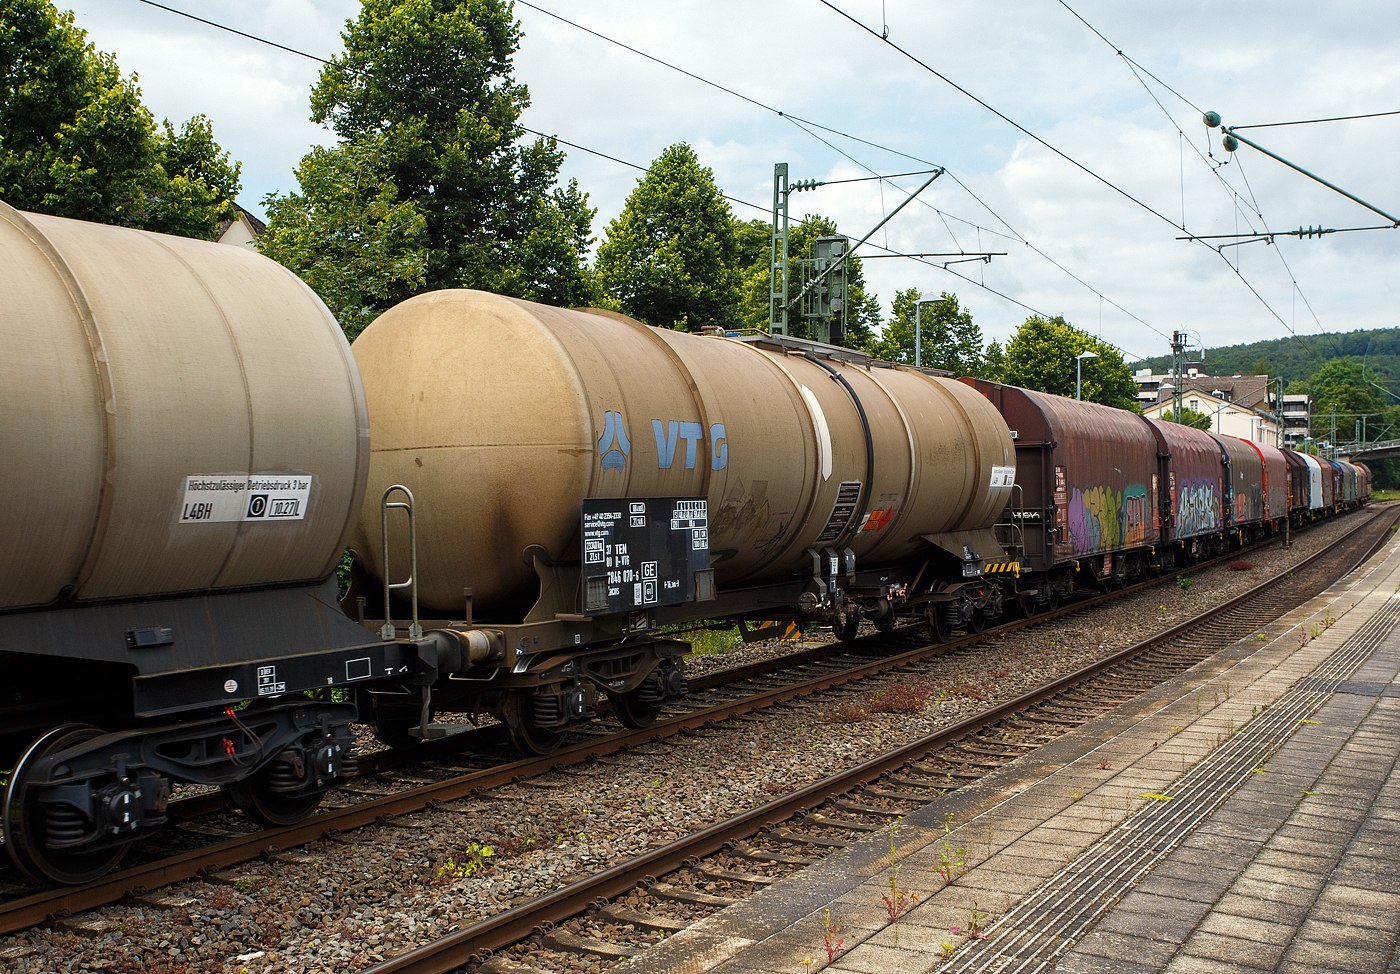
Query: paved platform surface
[[1243, 817]]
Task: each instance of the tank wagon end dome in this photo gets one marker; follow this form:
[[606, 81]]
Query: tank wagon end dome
[[156, 386], [479, 412]]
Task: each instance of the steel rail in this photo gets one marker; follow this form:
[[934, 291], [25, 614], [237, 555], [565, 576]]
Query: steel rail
[[47, 905], [478, 940]]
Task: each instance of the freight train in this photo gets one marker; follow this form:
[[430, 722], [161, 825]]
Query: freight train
[[534, 498]]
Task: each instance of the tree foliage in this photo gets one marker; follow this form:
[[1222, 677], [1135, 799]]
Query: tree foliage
[[671, 258], [76, 141], [431, 171], [1338, 385], [354, 249], [994, 363], [1189, 417], [1041, 356], [951, 341]]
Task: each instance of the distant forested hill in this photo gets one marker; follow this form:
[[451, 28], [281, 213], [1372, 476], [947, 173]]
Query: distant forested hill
[[1291, 359]]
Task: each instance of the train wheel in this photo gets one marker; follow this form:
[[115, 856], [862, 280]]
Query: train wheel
[[934, 616], [1028, 604], [392, 723], [519, 706], [977, 621], [634, 711], [846, 631], [269, 808], [26, 826]]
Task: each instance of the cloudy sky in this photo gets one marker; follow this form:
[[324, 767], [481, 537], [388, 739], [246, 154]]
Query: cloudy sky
[[1073, 245]]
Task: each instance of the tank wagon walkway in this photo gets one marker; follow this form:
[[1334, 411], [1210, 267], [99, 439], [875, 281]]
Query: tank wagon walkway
[[1243, 817]]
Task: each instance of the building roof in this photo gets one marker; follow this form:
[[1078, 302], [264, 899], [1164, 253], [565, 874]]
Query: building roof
[[1248, 390], [1165, 404], [239, 213]]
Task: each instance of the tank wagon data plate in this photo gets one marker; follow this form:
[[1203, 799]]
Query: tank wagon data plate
[[238, 497], [639, 553]]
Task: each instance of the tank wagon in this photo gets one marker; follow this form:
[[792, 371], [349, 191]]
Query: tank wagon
[[579, 479], [185, 448]]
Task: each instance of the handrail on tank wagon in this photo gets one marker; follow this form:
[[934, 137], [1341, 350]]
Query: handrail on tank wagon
[[1013, 537], [387, 631]]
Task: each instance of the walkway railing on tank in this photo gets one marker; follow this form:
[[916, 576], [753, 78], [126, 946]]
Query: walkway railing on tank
[[1012, 532], [387, 631]]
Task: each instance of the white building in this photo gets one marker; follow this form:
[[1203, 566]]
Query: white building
[[1230, 418], [243, 230]]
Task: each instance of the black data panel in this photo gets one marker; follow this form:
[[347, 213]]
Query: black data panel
[[645, 552]]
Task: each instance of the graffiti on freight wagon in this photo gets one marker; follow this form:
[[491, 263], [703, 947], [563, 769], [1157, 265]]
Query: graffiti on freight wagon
[[1102, 519], [1197, 508]]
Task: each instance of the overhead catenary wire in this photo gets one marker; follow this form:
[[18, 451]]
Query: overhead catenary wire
[[802, 123], [516, 124], [1266, 234], [1010, 121], [1127, 60], [1314, 121]]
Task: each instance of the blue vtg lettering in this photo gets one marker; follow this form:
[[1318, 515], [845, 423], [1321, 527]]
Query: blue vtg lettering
[[670, 435], [615, 449]]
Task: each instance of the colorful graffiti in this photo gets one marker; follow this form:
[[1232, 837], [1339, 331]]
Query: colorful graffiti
[[1198, 508], [1101, 519], [1135, 515]]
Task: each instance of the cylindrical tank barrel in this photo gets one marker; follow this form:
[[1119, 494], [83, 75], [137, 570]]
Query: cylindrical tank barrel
[[502, 416], [179, 416]]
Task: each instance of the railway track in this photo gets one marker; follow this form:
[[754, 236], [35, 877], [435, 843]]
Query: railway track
[[731, 692], [738, 856]]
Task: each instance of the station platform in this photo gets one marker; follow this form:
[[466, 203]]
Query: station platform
[[1243, 817]]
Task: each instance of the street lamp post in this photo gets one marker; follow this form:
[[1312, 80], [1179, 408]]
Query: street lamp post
[[1078, 372]]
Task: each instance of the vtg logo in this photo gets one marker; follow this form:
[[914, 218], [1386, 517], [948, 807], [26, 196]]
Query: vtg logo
[[613, 445], [614, 448]]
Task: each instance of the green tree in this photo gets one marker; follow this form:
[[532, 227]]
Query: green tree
[[671, 258], [355, 250], [1041, 355], [1338, 384], [755, 241], [994, 363], [951, 341], [1189, 417], [425, 105], [76, 141]]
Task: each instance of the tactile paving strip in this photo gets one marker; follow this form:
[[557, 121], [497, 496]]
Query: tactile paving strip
[[1043, 927]]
